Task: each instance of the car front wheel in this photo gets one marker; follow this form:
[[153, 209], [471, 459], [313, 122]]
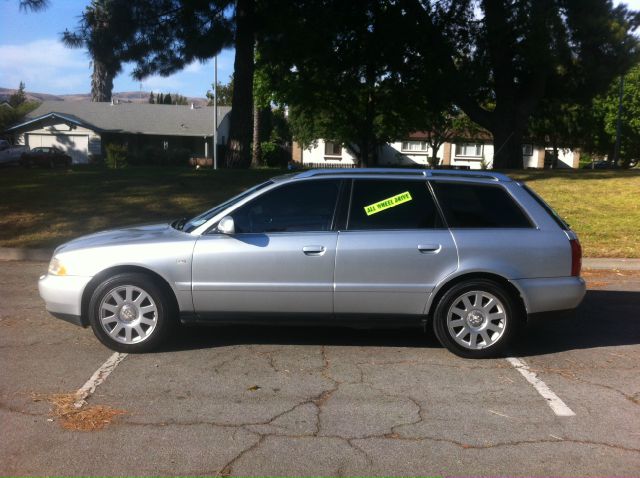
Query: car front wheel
[[130, 312], [477, 319]]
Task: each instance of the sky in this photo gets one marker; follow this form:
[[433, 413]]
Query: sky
[[31, 51]]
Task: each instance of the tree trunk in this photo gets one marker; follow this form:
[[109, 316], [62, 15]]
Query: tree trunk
[[364, 154], [507, 146], [256, 154], [101, 82], [240, 126]]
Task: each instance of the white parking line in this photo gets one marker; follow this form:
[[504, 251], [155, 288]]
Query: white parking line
[[97, 378], [557, 405]]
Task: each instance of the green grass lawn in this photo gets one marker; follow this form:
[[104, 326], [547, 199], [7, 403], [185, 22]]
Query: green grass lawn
[[42, 208]]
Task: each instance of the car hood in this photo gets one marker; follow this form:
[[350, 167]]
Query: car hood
[[142, 234]]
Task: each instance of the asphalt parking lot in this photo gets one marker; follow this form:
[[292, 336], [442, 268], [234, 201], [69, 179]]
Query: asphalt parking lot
[[321, 401]]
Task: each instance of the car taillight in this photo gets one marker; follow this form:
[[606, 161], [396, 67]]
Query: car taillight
[[576, 257]]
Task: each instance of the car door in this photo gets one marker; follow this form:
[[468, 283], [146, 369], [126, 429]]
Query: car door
[[395, 249], [281, 258]]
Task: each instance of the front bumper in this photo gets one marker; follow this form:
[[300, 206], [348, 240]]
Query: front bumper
[[551, 294], [63, 296]]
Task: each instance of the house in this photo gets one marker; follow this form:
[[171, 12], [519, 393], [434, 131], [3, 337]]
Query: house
[[414, 150], [83, 129]]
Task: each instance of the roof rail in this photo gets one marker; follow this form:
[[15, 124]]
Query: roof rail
[[406, 172], [468, 174], [335, 171]]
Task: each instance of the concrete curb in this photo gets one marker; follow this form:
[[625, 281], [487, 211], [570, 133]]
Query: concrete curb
[[22, 254], [44, 255], [608, 264]]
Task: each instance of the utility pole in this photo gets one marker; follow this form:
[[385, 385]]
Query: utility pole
[[215, 112], [616, 151]]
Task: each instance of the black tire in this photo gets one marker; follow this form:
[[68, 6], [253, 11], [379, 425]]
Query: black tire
[[503, 331], [164, 314]]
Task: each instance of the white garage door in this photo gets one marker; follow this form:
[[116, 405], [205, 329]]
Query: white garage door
[[76, 146]]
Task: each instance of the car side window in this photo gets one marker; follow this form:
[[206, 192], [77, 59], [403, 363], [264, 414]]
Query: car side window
[[479, 206], [296, 207], [392, 204]]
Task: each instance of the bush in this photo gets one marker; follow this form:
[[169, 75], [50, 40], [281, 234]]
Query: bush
[[274, 155], [154, 156], [116, 156], [178, 157]]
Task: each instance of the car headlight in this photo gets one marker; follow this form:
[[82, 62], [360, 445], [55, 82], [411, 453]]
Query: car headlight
[[56, 268]]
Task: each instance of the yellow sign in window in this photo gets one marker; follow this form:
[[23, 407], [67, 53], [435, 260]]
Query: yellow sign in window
[[387, 203]]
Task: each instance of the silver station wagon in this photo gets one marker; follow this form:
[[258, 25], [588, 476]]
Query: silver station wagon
[[471, 254]]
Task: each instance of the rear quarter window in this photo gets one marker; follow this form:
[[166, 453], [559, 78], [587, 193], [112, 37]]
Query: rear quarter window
[[479, 206]]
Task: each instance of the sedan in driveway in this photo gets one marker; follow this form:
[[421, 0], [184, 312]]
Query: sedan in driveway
[[47, 157], [470, 254]]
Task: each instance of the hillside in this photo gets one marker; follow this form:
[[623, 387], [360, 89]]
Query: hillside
[[125, 96]]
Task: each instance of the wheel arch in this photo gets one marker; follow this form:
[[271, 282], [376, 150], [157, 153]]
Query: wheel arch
[[111, 271], [450, 282]]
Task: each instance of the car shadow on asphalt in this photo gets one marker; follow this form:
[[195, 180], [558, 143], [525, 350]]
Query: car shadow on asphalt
[[604, 319]]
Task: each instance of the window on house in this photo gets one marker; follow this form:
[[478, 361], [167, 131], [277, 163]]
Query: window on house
[[332, 149], [527, 149], [469, 149], [420, 146]]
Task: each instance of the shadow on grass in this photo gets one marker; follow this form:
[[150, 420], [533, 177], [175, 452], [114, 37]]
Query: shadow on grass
[[44, 208], [575, 174], [604, 319]]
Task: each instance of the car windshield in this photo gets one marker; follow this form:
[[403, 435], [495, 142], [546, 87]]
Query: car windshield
[[199, 220]]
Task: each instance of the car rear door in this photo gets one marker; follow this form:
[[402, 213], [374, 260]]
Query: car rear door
[[393, 251], [280, 260]]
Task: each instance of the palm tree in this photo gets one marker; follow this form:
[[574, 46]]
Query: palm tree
[[95, 32]]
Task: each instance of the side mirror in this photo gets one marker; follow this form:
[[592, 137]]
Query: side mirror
[[227, 226]]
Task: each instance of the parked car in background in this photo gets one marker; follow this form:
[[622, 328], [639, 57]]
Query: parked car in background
[[469, 254], [10, 155], [45, 157], [602, 164]]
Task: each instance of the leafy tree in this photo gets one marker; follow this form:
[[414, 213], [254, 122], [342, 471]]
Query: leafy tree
[[19, 97], [97, 31], [225, 93], [11, 116], [605, 115], [167, 99], [340, 81], [444, 126], [33, 5], [160, 98], [152, 98], [515, 54], [180, 100], [167, 35]]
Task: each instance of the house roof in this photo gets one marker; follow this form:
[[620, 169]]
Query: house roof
[[460, 135], [132, 118]]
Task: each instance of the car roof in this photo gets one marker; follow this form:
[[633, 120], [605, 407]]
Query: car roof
[[398, 172]]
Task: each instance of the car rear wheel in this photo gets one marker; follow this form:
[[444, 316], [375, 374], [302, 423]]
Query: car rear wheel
[[130, 312], [477, 319]]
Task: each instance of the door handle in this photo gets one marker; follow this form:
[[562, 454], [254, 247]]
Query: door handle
[[429, 248], [314, 250]]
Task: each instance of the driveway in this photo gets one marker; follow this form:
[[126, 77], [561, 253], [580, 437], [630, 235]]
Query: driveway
[[321, 401]]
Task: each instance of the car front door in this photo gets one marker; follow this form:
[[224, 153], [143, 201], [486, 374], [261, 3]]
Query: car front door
[[394, 250], [280, 259]]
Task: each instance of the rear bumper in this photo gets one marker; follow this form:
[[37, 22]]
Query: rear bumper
[[551, 294], [63, 296]]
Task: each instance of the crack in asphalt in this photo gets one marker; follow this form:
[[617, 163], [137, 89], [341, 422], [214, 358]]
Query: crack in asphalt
[[319, 400]]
